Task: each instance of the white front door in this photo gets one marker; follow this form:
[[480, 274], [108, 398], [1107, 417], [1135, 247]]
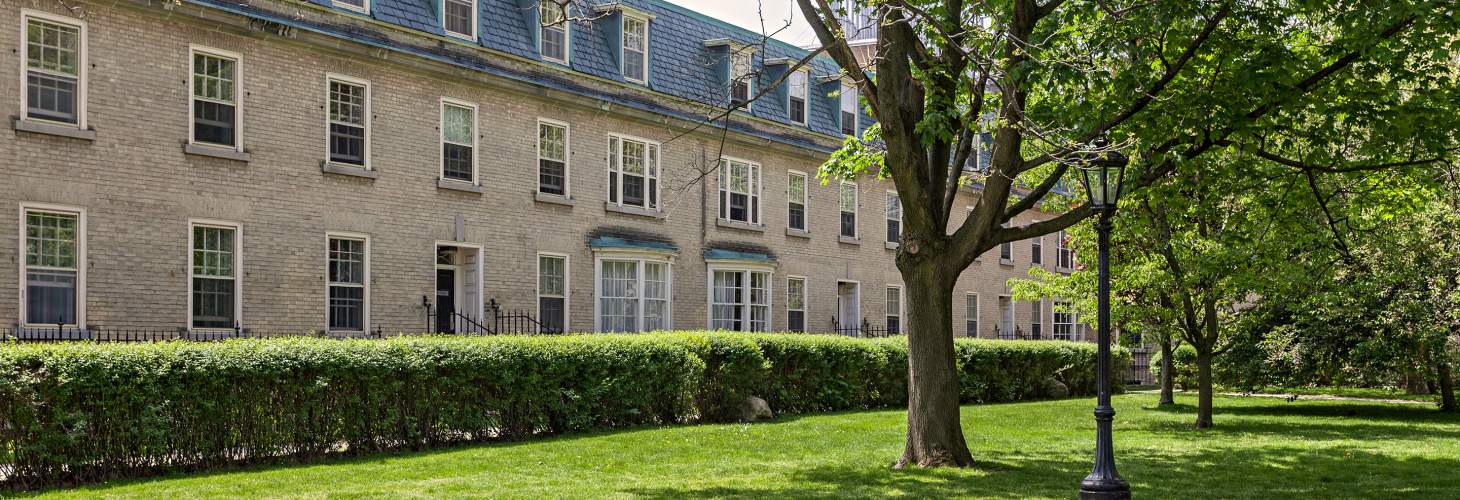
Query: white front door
[[848, 314]]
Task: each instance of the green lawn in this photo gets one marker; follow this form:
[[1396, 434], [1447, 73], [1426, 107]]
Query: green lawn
[[1262, 448]]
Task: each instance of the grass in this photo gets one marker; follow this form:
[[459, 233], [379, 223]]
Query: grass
[[1262, 448], [1345, 392]]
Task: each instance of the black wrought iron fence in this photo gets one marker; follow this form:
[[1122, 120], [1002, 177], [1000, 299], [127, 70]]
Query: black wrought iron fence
[[64, 333], [495, 320], [865, 330]]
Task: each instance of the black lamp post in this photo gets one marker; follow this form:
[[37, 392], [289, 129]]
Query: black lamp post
[[1103, 172]]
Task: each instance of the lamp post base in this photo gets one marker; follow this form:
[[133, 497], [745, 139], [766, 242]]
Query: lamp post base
[[1105, 491]]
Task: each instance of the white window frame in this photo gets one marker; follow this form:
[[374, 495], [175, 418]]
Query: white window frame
[[892, 195], [748, 53], [805, 200], [363, 8], [901, 312], [476, 177], [1036, 311], [567, 155], [475, 13], [567, 27], [640, 257], [365, 284], [335, 77], [81, 69], [805, 302], [193, 51], [856, 203], [567, 289], [1074, 319], [81, 262], [805, 97], [615, 168], [237, 271], [975, 318], [1060, 248], [747, 269], [1036, 250], [755, 203], [624, 17], [849, 88]]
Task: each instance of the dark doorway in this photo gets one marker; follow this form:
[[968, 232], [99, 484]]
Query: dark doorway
[[445, 300]]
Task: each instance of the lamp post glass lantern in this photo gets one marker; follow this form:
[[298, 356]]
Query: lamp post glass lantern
[[1103, 172]]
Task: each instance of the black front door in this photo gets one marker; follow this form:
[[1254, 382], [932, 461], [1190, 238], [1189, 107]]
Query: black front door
[[445, 300]]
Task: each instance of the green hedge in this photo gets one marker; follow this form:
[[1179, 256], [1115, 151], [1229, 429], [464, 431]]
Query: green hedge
[[1183, 366], [85, 412]]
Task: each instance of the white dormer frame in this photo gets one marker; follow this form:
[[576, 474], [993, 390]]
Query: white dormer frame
[[626, 13], [627, 10], [567, 33], [363, 8], [475, 20]]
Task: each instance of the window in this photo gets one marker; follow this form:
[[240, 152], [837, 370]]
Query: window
[[633, 172], [52, 270], [1064, 321], [459, 17], [796, 101], [894, 218], [554, 26], [214, 290], [894, 310], [552, 157], [970, 310], [796, 304], [1036, 327], [552, 292], [796, 201], [740, 300], [849, 109], [1036, 250], [739, 191], [740, 77], [349, 120], [1064, 255], [458, 141], [633, 295], [55, 68], [849, 210], [348, 281], [362, 6], [635, 49], [215, 98], [1006, 251]]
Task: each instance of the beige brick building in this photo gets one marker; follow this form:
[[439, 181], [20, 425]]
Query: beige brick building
[[289, 166]]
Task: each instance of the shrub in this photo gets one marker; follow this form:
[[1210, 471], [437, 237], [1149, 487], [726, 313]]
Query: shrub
[[86, 412], [1183, 366]]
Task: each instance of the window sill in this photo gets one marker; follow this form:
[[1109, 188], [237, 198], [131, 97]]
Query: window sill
[[626, 210], [848, 240], [346, 169], [463, 186], [216, 152], [1006, 262], [553, 199], [1063, 270], [797, 233], [892, 245], [59, 130], [743, 226]]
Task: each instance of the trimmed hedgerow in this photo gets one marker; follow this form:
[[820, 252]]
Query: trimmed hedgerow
[[87, 412]]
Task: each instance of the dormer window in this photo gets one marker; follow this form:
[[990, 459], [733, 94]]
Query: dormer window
[[796, 97], [554, 26], [740, 77], [849, 109], [459, 18], [635, 49], [361, 6]]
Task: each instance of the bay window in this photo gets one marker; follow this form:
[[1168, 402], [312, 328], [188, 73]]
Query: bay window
[[740, 299], [633, 294]]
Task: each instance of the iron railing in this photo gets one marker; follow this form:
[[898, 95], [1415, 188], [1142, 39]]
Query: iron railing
[[865, 330], [495, 320], [91, 333]]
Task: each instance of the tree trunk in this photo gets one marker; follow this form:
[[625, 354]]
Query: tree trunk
[[1204, 388], [934, 433], [1447, 385], [1167, 378]]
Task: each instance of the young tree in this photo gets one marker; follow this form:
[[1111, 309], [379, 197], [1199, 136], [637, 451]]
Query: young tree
[[1170, 80]]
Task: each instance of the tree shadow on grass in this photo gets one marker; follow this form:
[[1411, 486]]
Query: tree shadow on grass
[[1269, 472]]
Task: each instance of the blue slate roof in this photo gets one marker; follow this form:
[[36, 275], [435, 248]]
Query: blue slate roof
[[680, 64], [722, 254], [615, 242]]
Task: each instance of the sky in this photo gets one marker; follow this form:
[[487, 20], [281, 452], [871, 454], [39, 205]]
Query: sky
[[746, 14]]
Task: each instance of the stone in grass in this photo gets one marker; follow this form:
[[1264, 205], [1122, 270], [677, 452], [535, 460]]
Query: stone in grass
[[1055, 389], [754, 408]]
